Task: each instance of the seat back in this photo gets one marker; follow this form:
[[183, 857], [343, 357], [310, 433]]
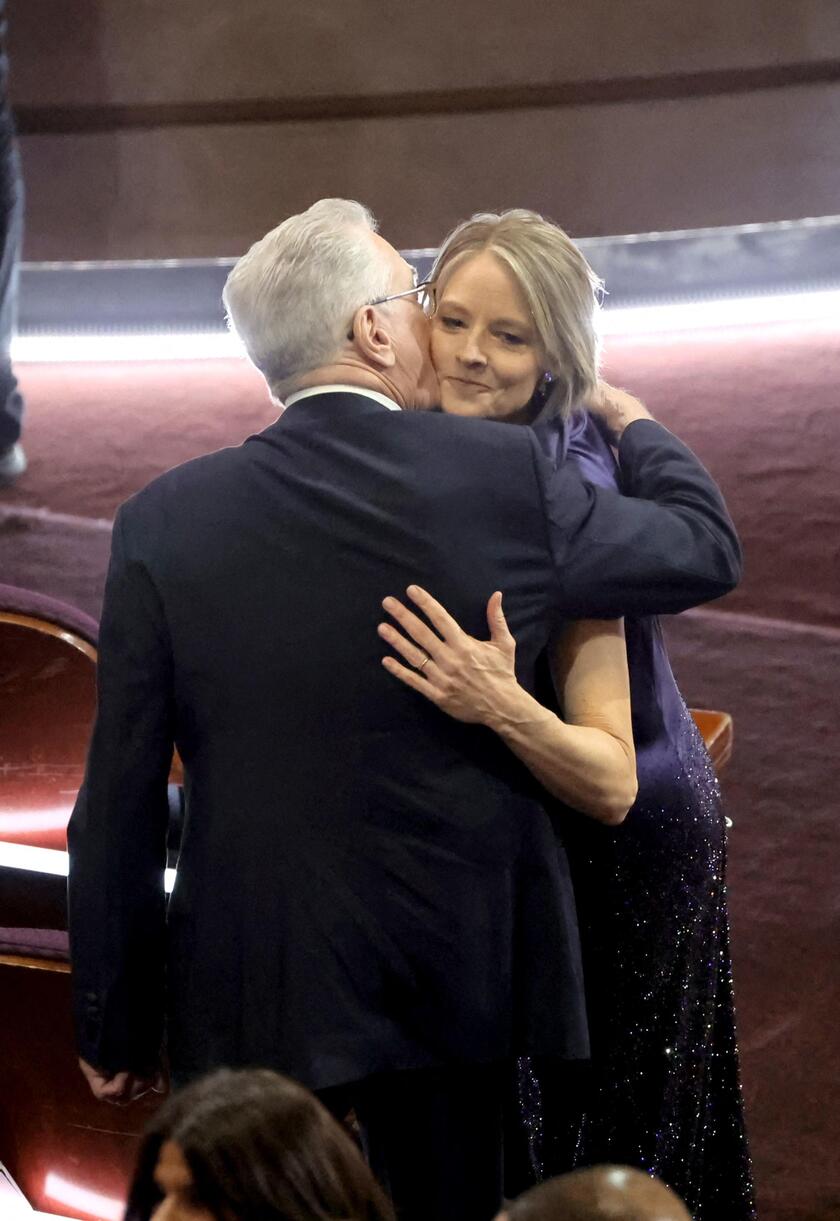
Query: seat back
[[717, 731], [47, 704]]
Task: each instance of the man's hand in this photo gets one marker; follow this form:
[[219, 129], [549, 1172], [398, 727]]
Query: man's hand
[[120, 1088], [616, 408]]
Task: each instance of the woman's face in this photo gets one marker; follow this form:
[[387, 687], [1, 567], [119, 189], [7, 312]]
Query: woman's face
[[485, 346], [174, 1179]]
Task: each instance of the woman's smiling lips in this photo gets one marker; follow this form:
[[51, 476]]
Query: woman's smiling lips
[[466, 381]]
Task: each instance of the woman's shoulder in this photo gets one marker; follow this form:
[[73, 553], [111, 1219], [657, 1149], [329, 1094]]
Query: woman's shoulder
[[584, 442]]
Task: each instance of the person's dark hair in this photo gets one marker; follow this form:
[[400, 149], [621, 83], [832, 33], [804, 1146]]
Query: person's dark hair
[[260, 1148]]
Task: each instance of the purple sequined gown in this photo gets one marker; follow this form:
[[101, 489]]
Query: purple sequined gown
[[663, 1088]]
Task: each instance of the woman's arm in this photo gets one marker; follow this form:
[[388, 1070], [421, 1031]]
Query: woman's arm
[[589, 668], [586, 760]]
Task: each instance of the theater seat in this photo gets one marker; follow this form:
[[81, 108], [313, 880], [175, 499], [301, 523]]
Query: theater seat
[[68, 1153], [717, 731], [47, 702], [47, 705], [58, 1143]]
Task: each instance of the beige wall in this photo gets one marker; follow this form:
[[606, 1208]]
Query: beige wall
[[188, 127]]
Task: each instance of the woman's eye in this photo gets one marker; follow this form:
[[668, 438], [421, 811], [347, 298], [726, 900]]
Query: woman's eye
[[513, 340], [449, 322]]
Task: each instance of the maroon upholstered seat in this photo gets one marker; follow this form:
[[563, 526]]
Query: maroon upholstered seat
[[40, 943], [26, 603], [57, 1141], [47, 702]]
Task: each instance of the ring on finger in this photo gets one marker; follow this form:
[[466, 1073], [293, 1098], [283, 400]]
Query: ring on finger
[[424, 662]]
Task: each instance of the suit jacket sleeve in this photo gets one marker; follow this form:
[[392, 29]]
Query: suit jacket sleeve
[[666, 545], [117, 832]]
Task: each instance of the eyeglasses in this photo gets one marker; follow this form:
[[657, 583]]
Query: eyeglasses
[[423, 292], [419, 290]]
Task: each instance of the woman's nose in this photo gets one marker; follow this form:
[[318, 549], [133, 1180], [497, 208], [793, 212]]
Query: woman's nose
[[471, 352]]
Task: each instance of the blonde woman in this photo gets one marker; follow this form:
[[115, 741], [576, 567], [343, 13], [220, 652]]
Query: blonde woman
[[514, 338]]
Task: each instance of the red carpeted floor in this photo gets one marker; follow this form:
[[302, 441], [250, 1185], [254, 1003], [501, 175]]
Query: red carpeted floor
[[761, 407]]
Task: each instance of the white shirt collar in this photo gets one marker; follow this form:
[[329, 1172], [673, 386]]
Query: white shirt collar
[[338, 389]]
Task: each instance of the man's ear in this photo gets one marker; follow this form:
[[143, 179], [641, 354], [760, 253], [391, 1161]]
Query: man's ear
[[373, 340]]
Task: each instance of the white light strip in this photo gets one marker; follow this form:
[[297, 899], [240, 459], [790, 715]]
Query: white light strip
[[14, 1210], [82, 1199], [815, 307], [28, 822], [725, 313], [34, 860], [52, 860], [174, 345]]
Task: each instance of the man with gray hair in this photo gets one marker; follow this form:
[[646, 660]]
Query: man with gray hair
[[369, 895], [292, 295]]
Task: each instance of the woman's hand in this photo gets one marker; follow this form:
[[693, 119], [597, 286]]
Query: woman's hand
[[471, 680], [616, 408], [588, 762]]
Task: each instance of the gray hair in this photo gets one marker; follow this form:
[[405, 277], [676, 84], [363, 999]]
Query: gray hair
[[292, 297], [560, 288]]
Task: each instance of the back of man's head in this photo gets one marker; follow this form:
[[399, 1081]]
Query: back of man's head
[[600, 1193], [293, 295]]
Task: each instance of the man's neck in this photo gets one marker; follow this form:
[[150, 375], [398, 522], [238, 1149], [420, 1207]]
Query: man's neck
[[348, 373]]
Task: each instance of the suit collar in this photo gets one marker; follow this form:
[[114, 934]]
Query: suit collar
[[323, 410], [312, 391]]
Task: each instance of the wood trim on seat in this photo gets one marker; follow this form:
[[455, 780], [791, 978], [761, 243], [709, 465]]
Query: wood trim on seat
[[718, 733], [47, 628], [36, 964]]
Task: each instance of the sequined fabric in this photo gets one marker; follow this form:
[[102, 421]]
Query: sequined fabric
[[663, 1089]]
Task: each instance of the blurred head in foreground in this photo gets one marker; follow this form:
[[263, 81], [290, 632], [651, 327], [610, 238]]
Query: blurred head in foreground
[[600, 1193], [250, 1145]]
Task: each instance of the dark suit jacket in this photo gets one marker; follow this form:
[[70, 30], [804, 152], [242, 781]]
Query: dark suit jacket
[[364, 884]]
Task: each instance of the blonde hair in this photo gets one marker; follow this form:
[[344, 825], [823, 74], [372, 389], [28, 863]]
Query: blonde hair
[[560, 288], [291, 297]]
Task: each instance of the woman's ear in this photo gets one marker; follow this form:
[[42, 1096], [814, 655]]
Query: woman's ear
[[372, 338]]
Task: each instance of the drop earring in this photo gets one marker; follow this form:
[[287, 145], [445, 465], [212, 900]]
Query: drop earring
[[543, 389]]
